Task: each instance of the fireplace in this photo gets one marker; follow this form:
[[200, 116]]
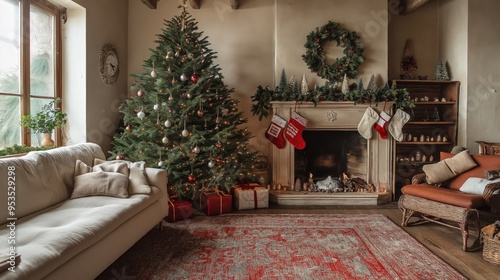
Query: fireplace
[[333, 147]]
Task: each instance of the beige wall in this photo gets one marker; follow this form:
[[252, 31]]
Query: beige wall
[[483, 104], [255, 42], [105, 22]]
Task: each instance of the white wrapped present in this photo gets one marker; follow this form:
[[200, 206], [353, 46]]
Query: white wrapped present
[[250, 196]]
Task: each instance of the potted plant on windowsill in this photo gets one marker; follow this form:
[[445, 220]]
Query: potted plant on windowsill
[[46, 121]]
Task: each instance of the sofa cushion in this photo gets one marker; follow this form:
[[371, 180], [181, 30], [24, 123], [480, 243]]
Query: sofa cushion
[[437, 173], [45, 178], [101, 183], [460, 163], [476, 185], [445, 195], [138, 183], [484, 162]]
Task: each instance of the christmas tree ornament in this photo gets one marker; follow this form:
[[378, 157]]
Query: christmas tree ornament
[[191, 178], [189, 95], [183, 77], [294, 129], [160, 163], [153, 73], [141, 115], [345, 85], [156, 107], [219, 160], [274, 132], [370, 117], [170, 97], [196, 150], [381, 124], [216, 128], [128, 128], [177, 53], [190, 55], [304, 88], [140, 93], [119, 157], [165, 140], [218, 145], [169, 70], [194, 78], [211, 164], [168, 123], [184, 132], [169, 55], [397, 123], [217, 119], [200, 113]]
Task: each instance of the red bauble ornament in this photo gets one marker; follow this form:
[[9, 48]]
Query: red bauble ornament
[[191, 178], [194, 78], [119, 157], [219, 160]]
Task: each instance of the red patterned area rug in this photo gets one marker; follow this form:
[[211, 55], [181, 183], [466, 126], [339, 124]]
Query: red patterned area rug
[[330, 246]]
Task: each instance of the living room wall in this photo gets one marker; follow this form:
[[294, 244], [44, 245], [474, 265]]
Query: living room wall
[[262, 37]]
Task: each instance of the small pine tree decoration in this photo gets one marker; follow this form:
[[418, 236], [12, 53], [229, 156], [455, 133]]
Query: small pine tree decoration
[[442, 71], [183, 118], [283, 84]]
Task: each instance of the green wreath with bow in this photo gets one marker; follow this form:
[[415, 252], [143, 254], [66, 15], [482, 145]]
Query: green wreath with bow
[[346, 65]]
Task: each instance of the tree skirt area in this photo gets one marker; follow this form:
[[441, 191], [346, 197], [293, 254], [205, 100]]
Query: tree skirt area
[[298, 246]]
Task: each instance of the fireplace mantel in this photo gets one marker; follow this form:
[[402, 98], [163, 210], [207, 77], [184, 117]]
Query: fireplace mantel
[[342, 116]]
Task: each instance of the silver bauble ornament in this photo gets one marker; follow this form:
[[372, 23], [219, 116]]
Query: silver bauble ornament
[[211, 164], [140, 93], [154, 73], [156, 107], [141, 115], [189, 95], [185, 133], [177, 53], [196, 150], [165, 140], [160, 163], [168, 123], [183, 77]]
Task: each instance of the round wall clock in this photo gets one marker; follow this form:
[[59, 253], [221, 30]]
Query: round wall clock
[[108, 64]]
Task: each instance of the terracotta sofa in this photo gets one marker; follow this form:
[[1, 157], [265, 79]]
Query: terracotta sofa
[[60, 237], [445, 204]]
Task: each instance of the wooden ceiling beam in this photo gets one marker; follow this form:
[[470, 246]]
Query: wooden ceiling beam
[[150, 3], [195, 4], [409, 6]]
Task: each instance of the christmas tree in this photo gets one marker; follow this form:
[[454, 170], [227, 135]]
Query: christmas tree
[[182, 117], [441, 71]]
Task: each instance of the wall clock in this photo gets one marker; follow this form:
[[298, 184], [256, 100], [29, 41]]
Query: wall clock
[[108, 64]]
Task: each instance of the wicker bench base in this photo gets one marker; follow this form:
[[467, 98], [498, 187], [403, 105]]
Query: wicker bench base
[[432, 211]]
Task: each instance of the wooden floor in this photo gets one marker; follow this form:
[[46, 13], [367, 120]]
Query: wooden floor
[[444, 242]]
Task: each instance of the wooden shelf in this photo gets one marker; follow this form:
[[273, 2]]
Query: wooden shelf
[[434, 103], [424, 143], [430, 123], [415, 162]]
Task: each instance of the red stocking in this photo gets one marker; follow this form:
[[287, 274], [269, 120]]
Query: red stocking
[[274, 132], [381, 124], [293, 132]]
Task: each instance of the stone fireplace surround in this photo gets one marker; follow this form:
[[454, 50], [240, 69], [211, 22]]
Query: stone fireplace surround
[[340, 116]]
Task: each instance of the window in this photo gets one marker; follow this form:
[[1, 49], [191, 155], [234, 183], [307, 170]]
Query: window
[[30, 71]]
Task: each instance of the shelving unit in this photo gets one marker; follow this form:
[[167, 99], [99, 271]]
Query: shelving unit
[[437, 130]]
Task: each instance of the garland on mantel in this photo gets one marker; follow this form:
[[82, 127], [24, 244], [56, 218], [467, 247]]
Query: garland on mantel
[[264, 96], [339, 72]]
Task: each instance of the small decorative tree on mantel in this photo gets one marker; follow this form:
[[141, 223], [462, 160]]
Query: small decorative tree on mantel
[[46, 121]]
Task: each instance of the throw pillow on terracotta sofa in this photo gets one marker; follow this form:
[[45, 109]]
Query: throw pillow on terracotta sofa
[[448, 168]]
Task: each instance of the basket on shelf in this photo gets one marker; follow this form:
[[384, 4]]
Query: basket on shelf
[[491, 245]]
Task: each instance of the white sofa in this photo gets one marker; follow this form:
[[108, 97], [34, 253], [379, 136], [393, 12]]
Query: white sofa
[[62, 238]]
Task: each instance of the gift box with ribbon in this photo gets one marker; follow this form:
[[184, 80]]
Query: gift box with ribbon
[[216, 203], [250, 196], [178, 210]]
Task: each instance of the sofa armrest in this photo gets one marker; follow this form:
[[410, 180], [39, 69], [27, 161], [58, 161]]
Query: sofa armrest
[[491, 195], [418, 179], [158, 178]]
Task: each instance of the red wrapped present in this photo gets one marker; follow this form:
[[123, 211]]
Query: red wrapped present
[[178, 210], [250, 196], [216, 203]]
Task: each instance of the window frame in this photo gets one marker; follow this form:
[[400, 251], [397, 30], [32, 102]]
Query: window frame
[[24, 94]]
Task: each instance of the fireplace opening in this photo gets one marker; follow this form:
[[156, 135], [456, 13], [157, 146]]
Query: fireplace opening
[[331, 153]]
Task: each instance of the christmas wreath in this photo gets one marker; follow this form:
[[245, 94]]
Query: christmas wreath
[[346, 65]]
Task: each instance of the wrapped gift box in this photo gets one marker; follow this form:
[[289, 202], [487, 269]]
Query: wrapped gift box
[[216, 203], [178, 210], [250, 196]]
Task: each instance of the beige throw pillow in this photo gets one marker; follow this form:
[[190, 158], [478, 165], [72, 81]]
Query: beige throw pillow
[[446, 169], [437, 173], [100, 183], [138, 183]]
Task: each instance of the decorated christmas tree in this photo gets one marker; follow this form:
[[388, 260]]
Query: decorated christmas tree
[[181, 117]]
